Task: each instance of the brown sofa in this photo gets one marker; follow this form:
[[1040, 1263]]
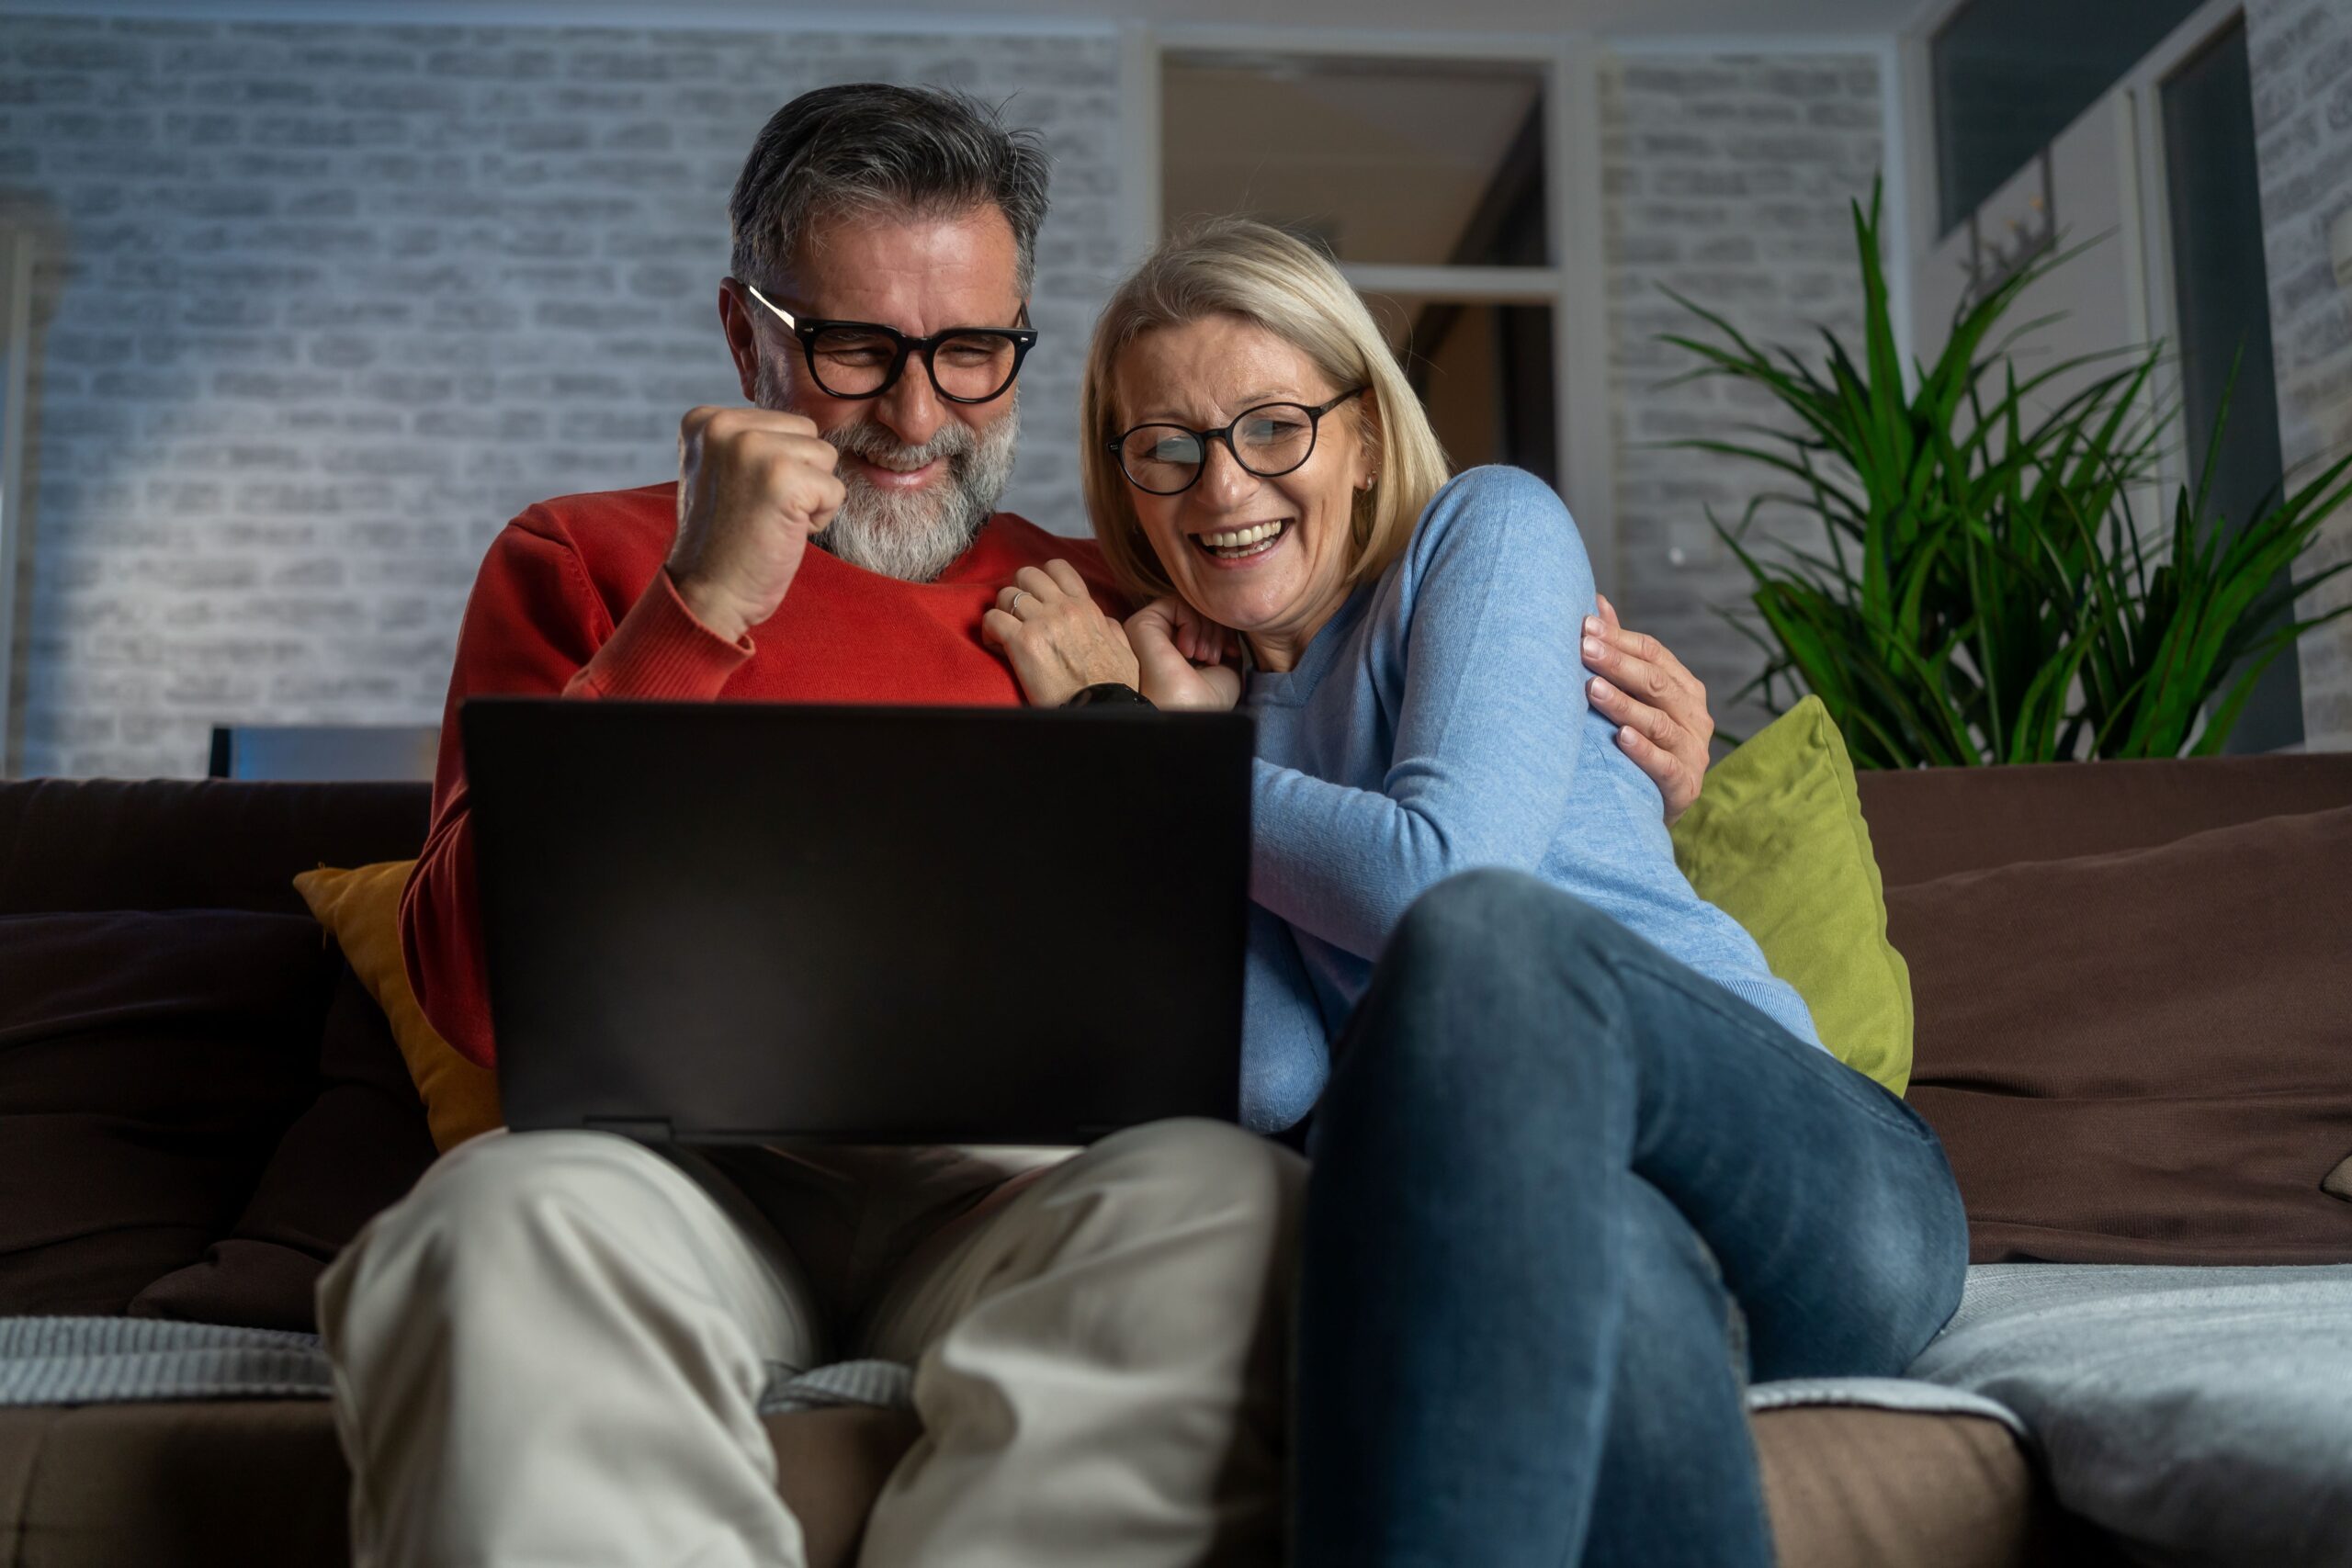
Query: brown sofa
[[293, 1142]]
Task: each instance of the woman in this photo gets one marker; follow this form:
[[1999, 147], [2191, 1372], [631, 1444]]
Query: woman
[[1581, 1166]]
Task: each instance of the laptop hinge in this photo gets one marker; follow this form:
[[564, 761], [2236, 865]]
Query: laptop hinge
[[644, 1129]]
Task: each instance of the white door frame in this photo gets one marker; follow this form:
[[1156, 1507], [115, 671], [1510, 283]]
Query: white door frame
[[2159, 297], [2153, 305]]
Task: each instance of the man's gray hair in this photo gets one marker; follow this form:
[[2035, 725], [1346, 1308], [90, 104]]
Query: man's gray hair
[[872, 146]]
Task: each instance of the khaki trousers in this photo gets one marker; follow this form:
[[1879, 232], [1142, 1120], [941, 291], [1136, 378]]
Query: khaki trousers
[[550, 1353]]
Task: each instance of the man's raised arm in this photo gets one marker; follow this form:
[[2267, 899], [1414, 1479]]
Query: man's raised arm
[[533, 628], [753, 485]]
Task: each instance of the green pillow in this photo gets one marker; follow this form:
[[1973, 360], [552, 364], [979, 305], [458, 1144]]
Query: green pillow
[[1777, 841]]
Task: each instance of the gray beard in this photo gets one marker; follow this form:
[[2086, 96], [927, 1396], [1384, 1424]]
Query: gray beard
[[915, 536]]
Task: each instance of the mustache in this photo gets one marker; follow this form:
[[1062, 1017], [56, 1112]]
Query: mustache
[[873, 441]]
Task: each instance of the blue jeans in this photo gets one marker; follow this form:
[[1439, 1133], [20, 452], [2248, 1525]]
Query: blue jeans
[[1568, 1196]]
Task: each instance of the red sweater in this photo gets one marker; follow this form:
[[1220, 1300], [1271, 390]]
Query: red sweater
[[572, 599]]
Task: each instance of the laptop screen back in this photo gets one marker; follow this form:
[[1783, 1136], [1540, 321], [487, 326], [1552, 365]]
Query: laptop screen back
[[754, 922]]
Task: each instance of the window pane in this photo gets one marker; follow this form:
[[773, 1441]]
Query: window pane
[[1485, 375], [2010, 74], [1405, 161]]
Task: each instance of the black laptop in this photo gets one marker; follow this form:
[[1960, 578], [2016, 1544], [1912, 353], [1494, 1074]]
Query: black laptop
[[757, 922]]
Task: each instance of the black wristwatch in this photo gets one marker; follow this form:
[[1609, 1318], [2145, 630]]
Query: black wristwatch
[[1114, 691]]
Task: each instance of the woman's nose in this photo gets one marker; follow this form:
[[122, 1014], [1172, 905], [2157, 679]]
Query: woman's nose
[[1223, 481]]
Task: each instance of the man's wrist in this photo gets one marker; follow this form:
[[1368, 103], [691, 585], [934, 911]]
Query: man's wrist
[[714, 610], [1108, 692], [661, 650]]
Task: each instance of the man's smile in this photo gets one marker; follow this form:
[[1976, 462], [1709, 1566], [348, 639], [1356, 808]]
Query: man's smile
[[882, 477]]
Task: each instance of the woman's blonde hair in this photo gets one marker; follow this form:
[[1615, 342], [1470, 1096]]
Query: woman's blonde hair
[[1236, 266]]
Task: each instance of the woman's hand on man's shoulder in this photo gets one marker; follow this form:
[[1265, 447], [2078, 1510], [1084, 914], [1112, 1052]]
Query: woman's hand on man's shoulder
[[1056, 639]]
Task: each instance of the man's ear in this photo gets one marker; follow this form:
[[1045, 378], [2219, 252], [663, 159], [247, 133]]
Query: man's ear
[[742, 338]]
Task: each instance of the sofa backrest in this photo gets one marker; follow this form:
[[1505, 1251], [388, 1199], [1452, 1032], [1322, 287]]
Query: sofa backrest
[[192, 844], [2133, 1011], [1938, 821]]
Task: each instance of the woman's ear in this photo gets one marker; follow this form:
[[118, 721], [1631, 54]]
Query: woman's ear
[[1369, 428]]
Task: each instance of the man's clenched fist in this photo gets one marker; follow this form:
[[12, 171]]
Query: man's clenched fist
[[753, 485]]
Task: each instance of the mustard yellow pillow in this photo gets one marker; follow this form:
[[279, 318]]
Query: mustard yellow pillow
[[1777, 841], [362, 908]]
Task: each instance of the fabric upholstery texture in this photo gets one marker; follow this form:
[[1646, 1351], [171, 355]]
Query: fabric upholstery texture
[[262, 1483], [149, 1063], [2145, 1056], [171, 1486], [355, 1149], [95, 844], [1849, 1488], [1931, 822], [2202, 1415], [1777, 841], [362, 907], [147, 920]]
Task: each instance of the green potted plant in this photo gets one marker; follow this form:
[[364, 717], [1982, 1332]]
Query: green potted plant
[[1983, 592]]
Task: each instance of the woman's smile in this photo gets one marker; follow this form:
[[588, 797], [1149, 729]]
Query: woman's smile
[[1243, 548]]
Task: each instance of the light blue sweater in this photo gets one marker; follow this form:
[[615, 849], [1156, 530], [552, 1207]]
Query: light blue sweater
[[1437, 722]]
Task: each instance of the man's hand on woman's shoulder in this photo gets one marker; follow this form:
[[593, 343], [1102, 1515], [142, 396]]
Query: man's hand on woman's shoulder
[[1659, 707]]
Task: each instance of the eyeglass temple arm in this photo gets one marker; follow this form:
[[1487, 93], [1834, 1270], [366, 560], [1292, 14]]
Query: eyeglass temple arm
[[781, 313]]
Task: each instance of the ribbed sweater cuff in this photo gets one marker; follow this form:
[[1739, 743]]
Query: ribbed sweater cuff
[[661, 651]]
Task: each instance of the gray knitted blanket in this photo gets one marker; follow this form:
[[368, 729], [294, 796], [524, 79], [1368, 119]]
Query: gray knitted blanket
[[109, 1361]]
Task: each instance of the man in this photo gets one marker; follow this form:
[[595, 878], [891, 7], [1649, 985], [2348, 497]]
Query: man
[[550, 1352]]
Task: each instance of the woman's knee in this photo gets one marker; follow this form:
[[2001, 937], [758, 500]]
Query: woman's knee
[[1468, 908], [1495, 984], [1892, 1280], [1495, 917]]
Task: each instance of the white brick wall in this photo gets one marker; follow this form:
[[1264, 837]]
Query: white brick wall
[[323, 306], [2301, 54], [1727, 180]]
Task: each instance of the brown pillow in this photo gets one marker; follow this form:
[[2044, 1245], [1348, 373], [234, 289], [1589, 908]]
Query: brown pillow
[[149, 1063], [2144, 1056], [354, 1150]]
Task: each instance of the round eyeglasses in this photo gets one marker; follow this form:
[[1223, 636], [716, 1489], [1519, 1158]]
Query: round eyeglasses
[[1268, 441], [862, 359]]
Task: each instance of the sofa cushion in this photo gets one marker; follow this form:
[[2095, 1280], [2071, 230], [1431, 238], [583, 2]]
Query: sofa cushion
[[1852, 1487], [362, 908], [261, 1483], [2144, 1056], [149, 1063], [1777, 842], [355, 1149], [2201, 1416]]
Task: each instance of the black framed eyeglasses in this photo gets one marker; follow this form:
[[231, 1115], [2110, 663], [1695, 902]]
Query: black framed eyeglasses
[[1268, 441], [862, 359]]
